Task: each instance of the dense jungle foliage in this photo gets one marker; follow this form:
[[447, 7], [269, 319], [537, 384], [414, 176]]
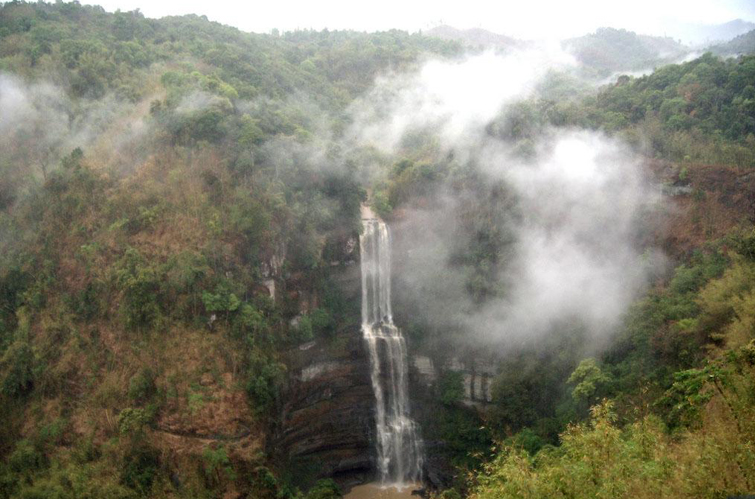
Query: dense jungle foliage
[[609, 50], [695, 112], [114, 277], [677, 375], [157, 175]]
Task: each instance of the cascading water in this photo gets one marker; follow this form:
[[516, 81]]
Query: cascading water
[[399, 448]]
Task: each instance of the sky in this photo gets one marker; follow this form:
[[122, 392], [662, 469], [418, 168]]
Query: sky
[[528, 19]]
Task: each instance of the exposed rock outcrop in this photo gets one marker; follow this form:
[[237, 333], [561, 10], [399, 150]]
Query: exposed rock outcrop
[[477, 376], [326, 415], [326, 410]]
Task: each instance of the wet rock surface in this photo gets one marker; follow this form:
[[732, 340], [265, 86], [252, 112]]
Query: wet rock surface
[[326, 415]]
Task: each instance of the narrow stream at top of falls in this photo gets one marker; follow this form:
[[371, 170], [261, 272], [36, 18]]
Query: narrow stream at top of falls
[[399, 447]]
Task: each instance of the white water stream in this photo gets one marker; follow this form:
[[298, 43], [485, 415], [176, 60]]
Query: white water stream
[[399, 447]]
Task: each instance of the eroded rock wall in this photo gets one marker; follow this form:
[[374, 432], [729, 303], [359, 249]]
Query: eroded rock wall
[[327, 412]]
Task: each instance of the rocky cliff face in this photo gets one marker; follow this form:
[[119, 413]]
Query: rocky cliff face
[[477, 376], [427, 368], [326, 414], [326, 417]]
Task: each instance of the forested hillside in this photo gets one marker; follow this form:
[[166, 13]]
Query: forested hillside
[[609, 50], [666, 408], [156, 177], [178, 203], [743, 44], [695, 112], [475, 38]]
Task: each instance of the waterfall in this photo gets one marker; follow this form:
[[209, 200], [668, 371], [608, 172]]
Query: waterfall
[[399, 448]]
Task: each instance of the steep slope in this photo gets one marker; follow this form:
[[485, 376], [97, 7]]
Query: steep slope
[[171, 224], [705, 35], [179, 294]]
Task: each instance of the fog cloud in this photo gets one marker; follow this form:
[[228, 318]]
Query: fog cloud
[[40, 123], [577, 254], [577, 209], [455, 97]]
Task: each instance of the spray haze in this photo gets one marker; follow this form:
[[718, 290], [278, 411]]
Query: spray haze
[[576, 203], [40, 123], [583, 199], [456, 98]]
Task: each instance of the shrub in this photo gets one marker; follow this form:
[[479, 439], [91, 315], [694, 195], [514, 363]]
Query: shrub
[[17, 370], [140, 283], [217, 465], [450, 494], [250, 322], [381, 205], [25, 458], [265, 484], [132, 420], [527, 440], [196, 402], [88, 303], [141, 386], [744, 243], [264, 379], [324, 489], [589, 381], [302, 330], [140, 468], [222, 301], [451, 388], [322, 322], [52, 433]]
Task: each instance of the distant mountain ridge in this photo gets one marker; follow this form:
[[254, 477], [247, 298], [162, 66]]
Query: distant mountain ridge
[[604, 52], [609, 50], [474, 37], [743, 44], [706, 35]]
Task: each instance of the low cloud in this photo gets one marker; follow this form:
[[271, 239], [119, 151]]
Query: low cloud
[[578, 205], [40, 123], [455, 98]]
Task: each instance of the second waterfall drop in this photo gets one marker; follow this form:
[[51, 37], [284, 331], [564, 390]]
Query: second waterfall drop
[[399, 448]]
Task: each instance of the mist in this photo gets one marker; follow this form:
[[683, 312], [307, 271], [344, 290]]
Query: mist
[[454, 98], [574, 206], [40, 123], [572, 217]]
